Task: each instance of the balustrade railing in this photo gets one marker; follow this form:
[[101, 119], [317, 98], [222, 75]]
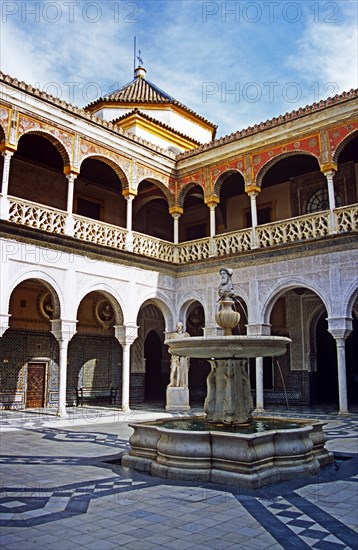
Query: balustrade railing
[[37, 216], [346, 218], [302, 228], [99, 233]]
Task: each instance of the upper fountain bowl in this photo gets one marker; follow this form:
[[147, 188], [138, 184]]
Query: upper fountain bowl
[[226, 347]]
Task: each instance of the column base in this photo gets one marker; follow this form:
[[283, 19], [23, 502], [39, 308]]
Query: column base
[[258, 411], [344, 412], [126, 409], [62, 413]]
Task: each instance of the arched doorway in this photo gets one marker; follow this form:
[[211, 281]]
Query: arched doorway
[[154, 389], [326, 386]]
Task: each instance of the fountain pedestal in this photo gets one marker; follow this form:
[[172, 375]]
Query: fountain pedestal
[[177, 399], [228, 399]]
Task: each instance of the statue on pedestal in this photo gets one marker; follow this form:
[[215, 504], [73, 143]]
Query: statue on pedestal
[[179, 367]]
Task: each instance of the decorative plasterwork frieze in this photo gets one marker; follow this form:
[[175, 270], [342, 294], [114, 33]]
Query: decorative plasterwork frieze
[[309, 144], [338, 134], [5, 120], [28, 124]]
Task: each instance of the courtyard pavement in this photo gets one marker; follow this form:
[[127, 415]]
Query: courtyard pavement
[[61, 489]]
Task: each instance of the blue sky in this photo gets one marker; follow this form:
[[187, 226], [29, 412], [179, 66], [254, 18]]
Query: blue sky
[[235, 63]]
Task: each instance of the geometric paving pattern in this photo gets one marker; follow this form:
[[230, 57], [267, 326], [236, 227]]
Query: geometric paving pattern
[[61, 490]]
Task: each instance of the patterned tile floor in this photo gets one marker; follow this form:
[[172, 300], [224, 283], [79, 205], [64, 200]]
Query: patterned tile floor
[[61, 489]]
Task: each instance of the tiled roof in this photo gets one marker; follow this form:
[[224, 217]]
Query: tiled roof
[[157, 122], [141, 91]]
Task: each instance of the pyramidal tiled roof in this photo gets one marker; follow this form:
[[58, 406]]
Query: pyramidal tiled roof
[[141, 90]]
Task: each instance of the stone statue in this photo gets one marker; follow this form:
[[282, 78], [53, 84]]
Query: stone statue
[[179, 367], [226, 288]]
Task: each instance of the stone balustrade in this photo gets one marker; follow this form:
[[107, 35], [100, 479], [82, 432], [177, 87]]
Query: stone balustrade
[[302, 228]]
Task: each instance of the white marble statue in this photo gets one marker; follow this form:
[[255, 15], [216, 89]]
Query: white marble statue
[[179, 367]]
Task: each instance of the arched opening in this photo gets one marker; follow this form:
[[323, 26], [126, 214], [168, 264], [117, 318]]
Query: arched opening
[[154, 388], [198, 368], [98, 193], [194, 222], [29, 353], [325, 390], [346, 178], [234, 204], [36, 172], [150, 360], [94, 354], [287, 187], [151, 212]]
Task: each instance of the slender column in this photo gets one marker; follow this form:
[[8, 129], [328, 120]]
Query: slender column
[[342, 376], [4, 208], [259, 385], [340, 328], [61, 410], [63, 332], [70, 194], [253, 190], [125, 377], [126, 335], [329, 171], [253, 218], [212, 221], [176, 227], [129, 239]]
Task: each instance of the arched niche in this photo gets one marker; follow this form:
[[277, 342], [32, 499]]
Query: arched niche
[[151, 210], [37, 171], [98, 191]]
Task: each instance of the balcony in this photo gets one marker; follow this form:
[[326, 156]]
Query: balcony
[[303, 228]]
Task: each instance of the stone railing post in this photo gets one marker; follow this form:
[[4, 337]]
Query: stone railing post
[[340, 328], [63, 332], [126, 334]]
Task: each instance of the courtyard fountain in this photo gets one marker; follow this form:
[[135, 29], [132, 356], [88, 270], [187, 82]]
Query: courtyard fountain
[[227, 444]]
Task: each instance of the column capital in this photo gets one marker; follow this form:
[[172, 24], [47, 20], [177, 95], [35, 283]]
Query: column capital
[[129, 194], [212, 201], [7, 150], [340, 327], [63, 330], [70, 171], [328, 167], [176, 211], [252, 189], [126, 334]]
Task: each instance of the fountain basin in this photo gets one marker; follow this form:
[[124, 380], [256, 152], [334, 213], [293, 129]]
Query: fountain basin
[[224, 347], [249, 460]]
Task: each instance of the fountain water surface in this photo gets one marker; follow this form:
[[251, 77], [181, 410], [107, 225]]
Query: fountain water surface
[[227, 445]]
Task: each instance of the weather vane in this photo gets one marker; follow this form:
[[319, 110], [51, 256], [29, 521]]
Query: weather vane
[[139, 57]]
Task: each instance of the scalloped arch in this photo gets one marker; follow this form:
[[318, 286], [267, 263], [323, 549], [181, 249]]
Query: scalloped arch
[[184, 191], [160, 303], [343, 143], [50, 283], [270, 163], [123, 179], [282, 287], [221, 179], [61, 147], [162, 187], [109, 293]]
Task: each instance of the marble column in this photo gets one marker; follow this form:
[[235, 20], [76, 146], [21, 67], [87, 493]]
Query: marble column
[[129, 239], [63, 332], [329, 171], [4, 201], [253, 207], [126, 334], [70, 223], [340, 328], [259, 385]]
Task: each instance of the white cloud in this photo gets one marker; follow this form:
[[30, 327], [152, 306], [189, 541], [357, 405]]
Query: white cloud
[[328, 53]]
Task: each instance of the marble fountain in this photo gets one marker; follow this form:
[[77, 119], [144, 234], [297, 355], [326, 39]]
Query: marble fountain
[[227, 444]]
